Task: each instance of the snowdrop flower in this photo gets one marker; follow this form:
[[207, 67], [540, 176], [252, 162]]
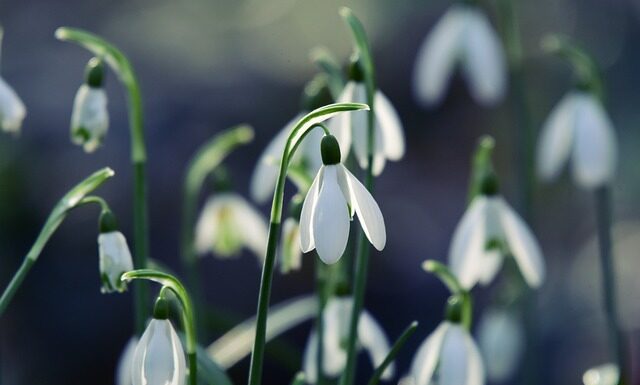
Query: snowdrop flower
[[578, 128], [114, 254], [488, 231], [227, 224], [159, 357], [389, 140], [123, 372], [336, 317], [465, 36], [501, 340], [607, 374], [90, 119], [324, 221], [12, 110]]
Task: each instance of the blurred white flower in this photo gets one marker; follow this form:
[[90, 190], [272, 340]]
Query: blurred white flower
[[501, 339], [389, 140], [325, 217], [336, 319], [578, 127], [488, 230], [265, 174], [159, 358], [290, 253], [12, 110], [115, 259], [227, 223], [449, 356], [607, 374], [463, 36], [90, 119], [123, 371]]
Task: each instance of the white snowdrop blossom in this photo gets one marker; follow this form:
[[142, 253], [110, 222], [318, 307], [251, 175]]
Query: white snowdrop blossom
[[265, 174], [290, 253], [389, 140], [607, 374], [578, 128], [501, 339], [159, 357], [12, 110], [462, 36], [123, 371], [115, 259], [489, 230], [325, 217], [227, 224], [336, 317], [90, 119], [449, 356]]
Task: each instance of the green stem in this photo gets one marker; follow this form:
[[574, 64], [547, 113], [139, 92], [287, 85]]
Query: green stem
[[70, 200], [395, 349], [616, 338], [296, 136], [122, 67], [188, 318]]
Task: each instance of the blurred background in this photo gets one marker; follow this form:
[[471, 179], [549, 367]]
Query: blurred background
[[205, 65]]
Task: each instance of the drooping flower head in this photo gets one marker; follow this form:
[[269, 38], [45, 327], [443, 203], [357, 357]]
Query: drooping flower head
[[114, 253], [336, 317], [488, 231], [12, 110], [464, 37], [334, 196], [90, 118]]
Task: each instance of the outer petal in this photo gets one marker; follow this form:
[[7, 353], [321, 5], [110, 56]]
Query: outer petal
[[12, 110], [373, 339], [426, 359], [250, 224], [90, 119], [460, 360], [340, 126], [159, 358], [310, 358], [468, 243], [336, 318], [595, 148], [390, 127], [359, 127], [123, 372], [437, 56], [207, 226], [556, 139], [115, 259], [483, 59], [307, 242], [330, 218], [365, 206], [523, 246], [501, 340], [263, 179]]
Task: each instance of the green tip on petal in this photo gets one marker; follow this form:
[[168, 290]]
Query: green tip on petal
[[330, 150]]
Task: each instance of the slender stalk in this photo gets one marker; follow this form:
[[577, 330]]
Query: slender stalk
[[122, 67], [296, 136], [70, 200], [395, 349], [616, 338]]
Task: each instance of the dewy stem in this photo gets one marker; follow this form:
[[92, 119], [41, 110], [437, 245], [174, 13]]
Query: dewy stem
[[616, 339], [70, 200], [362, 254], [296, 136], [122, 67], [188, 319]]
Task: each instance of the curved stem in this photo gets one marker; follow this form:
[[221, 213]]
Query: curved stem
[[297, 134], [395, 349], [104, 206], [122, 67], [188, 319], [444, 274], [70, 200]]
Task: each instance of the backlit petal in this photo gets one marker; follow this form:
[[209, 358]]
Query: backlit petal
[[426, 359], [390, 127], [556, 138], [468, 243], [12, 110], [330, 218], [501, 340], [251, 225], [307, 242]]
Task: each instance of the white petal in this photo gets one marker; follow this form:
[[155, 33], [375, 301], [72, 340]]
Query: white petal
[[475, 368], [426, 359], [12, 110], [358, 121], [437, 57], [263, 179], [290, 254], [250, 224], [207, 226], [366, 208], [483, 59], [372, 338], [336, 319], [307, 242], [340, 125], [523, 246], [159, 358], [607, 374], [330, 218], [460, 360], [468, 243], [310, 150], [556, 138], [310, 358], [390, 127], [123, 372], [595, 148], [501, 339], [115, 259], [90, 119]]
